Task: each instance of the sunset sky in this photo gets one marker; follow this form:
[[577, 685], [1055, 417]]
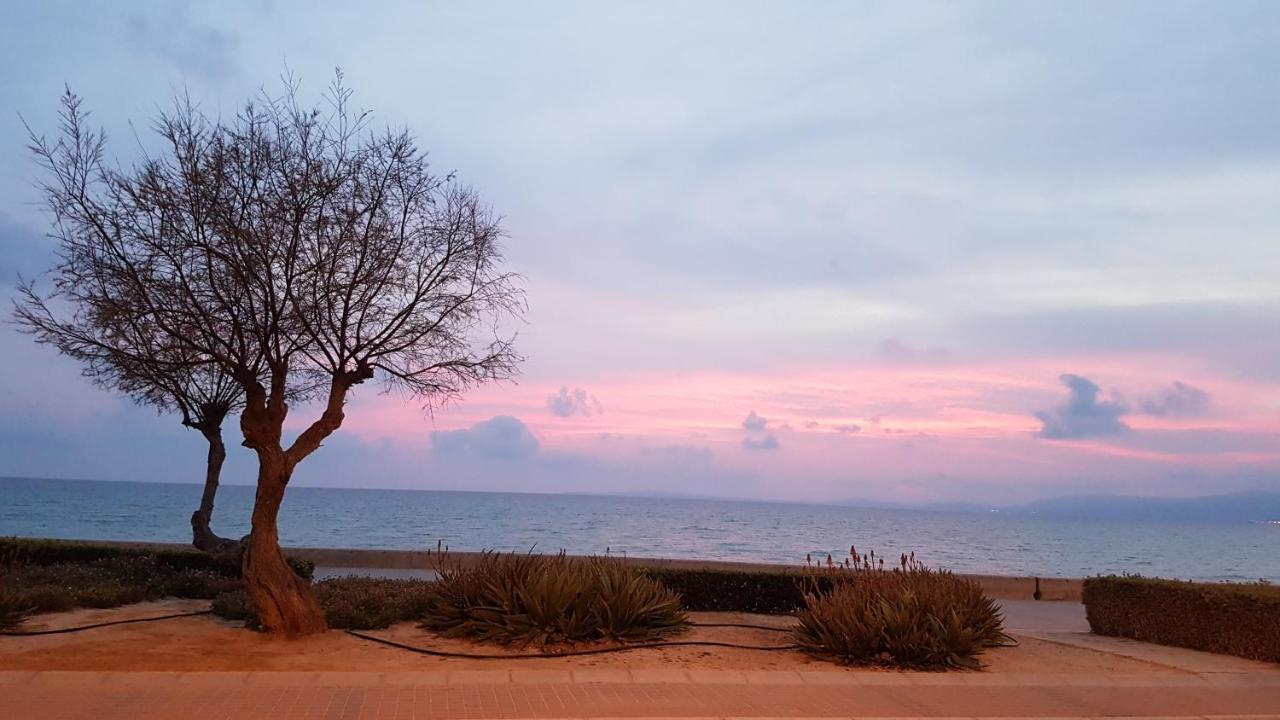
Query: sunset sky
[[985, 252]]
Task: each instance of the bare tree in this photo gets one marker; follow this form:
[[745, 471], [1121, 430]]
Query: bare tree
[[123, 358], [292, 247]]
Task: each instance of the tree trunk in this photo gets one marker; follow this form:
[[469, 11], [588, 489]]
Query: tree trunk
[[284, 601], [202, 535]]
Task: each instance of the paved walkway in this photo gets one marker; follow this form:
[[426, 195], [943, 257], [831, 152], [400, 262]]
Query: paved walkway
[[1188, 685], [623, 694], [1031, 615]]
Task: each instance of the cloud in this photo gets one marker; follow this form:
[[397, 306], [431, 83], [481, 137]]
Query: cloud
[[568, 403], [894, 349], [1082, 415], [848, 429], [1178, 399], [501, 437], [754, 422], [767, 442], [23, 252], [174, 36], [811, 425], [686, 454]]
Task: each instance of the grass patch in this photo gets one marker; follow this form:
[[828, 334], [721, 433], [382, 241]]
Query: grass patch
[[551, 599], [1240, 619], [910, 616]]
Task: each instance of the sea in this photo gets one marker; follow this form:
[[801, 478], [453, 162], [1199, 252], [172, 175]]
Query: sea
[[773, 532]]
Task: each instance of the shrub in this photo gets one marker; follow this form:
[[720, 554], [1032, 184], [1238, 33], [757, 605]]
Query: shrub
[[31, 551], [13, 609], [909, 617], [108, 582], [27, 551], [548, 599], [711, 590], [305, 569], [1234, 619], [235, 605], [356, 603], [362, 603]]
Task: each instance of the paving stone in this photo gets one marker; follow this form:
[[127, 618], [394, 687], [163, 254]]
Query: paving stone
[[771, 677], [541, 676], [717, 677], [648, 675], [601, 694], [478, 677], [601, 676]]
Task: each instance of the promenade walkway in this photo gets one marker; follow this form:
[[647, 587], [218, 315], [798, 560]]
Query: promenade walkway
[[625, 694], [1108, 677]]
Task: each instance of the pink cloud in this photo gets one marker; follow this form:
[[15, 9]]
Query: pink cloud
[[953, 419]]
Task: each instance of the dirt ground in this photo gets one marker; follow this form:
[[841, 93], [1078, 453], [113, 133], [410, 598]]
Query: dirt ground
[[206, 643]]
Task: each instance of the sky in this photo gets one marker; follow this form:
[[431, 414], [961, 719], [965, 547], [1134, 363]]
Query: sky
[[896, 252]]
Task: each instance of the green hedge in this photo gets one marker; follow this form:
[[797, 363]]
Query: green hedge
[[31, 551], [771, 593], [1233, 619]]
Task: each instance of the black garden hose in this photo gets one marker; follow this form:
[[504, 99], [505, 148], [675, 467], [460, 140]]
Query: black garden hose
[[743, 625], [78, 628], [468, 656], [109, 623], [570, 653]]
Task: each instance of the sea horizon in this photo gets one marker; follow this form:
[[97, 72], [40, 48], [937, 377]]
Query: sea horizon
[[730, 529], [940, 506]]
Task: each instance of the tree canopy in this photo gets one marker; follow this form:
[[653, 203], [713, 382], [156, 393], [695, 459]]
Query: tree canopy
[[291, 249]]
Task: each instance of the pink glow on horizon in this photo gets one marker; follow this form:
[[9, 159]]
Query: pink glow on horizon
[[974, 415]]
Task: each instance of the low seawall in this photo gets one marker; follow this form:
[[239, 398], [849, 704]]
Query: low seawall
[[997, 586]]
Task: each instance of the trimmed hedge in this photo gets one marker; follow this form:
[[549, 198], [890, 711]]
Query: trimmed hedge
[[770, 593], [29, 551], [1232, 619]]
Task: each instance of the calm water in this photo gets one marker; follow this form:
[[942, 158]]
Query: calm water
[[711, 529]]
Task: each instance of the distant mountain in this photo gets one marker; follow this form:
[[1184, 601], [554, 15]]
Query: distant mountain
[[960, 507], [1236, 507]]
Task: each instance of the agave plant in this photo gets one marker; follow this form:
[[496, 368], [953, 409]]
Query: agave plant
[[551, 599], [910, 616]]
